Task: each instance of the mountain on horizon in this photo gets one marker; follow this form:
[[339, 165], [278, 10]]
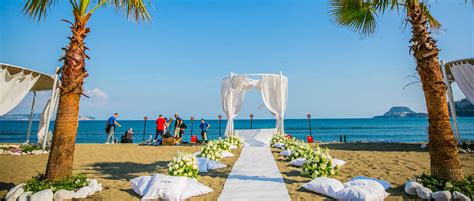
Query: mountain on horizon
[[401, 112]]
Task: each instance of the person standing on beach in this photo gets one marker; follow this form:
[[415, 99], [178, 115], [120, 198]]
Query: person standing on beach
[[160, 126], [204, 126], [110, 128], [177, 124]]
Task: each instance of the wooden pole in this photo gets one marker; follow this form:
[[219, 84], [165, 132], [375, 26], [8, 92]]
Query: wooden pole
[[251, 121], [220, 120], [309, 124], [144, 127], [30, 122]]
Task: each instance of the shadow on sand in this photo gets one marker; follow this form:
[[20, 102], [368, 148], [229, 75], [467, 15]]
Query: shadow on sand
[[388, 147]]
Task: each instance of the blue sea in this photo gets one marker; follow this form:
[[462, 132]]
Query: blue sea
[[326, 130]]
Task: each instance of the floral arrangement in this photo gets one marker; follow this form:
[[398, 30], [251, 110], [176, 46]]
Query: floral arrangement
[[319, 164], [184, 164], [292, 144], [278, 138], [223, 145], [212, 151], [301, 150], [235, 140]]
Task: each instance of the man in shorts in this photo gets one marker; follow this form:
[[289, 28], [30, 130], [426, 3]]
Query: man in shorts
[[204, 126]]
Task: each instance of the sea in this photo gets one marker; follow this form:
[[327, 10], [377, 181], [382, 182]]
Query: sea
[[325, 130]]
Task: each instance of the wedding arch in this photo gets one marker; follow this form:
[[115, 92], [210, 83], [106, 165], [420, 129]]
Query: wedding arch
[[274, 90]]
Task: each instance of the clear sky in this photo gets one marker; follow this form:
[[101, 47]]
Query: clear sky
[[175, 63]]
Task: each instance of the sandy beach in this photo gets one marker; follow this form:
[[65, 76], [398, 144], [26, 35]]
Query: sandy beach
[[113, 166], [393, 162]]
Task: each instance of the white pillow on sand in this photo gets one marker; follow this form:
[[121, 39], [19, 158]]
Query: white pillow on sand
[[298, 162], [386, 185], [357, 193], [168, 187], [364, 182], [411, 186], [233, 147], [423, 192], [339, 162], [202, 164], [325, 186], [212, 164], [286, 153], [279, 145], [226, 154]]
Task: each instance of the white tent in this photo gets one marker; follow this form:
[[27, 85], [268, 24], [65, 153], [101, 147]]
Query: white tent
[[15, 84], [274, 89], [461, 72]]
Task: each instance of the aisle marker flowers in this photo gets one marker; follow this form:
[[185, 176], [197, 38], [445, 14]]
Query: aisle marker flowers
[[183, 164]]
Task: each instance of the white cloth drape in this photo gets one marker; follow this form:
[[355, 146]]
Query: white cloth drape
[[232, 96], [13, 88], [464, 77], [46, 117], [274, 89]]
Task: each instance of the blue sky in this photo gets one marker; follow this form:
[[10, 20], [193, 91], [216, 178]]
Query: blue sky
[[175, 63]]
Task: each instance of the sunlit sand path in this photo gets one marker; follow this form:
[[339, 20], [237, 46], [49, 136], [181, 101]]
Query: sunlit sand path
[[255, 175]]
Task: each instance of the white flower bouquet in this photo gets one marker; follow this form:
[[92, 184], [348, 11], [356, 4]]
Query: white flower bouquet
[[278, 138], [291, 143], [301, 150], [212, 151], [235, 140], [319, 164], [184, 164], [223, 145]]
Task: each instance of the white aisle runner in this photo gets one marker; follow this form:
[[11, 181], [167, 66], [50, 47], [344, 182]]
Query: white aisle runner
[[255, 175]]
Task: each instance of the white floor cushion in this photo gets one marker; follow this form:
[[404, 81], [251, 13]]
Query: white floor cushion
[[212, 165], [364, 182], [384, 183], [411, 186], [168, 187], [233, 147], [356, 193], [202, 164], [336, 162], [226, 154], [298, 162], [279, 145], [286, 153], [325, 186]]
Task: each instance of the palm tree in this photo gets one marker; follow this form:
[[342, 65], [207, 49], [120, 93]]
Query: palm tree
[[361, 16], [73, 73]]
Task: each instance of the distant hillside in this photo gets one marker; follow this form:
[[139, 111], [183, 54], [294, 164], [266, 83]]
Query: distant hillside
[[464, 108], [401, 112], [36, 117]]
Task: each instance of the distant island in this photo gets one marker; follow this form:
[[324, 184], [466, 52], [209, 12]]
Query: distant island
[[36, 117], [402, 112], [464, 108]]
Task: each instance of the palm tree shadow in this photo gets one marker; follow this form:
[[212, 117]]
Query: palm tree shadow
[[125, 170], [6, 186]]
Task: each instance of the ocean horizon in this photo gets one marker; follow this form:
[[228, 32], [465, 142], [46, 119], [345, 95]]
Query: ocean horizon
[[325, 129]]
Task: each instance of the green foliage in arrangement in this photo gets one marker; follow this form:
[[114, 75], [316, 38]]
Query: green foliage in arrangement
[[292, 143], [278, 138], [71, 183], [184, 164], [29, 148], [235, 140], [465, 186], [302, 150], [319, 164], [223, 145], [211, 150]]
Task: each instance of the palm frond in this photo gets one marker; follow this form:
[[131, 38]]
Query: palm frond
[[434, 24], [358, 15], [36, 9], [135, 10]]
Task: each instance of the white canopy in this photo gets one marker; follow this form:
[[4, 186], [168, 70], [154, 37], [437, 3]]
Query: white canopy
[[16, 82], [274, 89], [461, 72]]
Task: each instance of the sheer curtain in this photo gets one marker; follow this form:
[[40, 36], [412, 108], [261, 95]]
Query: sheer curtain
[[464, 77], [274, 89], [232, 95], [45, 116], [13, 88]]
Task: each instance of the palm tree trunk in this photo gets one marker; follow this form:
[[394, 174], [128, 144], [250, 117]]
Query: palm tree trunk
[[444, 156], [60, 161]]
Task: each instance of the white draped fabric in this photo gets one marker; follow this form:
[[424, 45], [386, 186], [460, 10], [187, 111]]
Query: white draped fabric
[[45, 116], [13, 88], [464, 76], [274, 89]]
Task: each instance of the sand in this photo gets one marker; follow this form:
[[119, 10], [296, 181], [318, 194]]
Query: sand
[[113, 166], [395, 163]]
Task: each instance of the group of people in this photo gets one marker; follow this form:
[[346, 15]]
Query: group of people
[[163, 129]]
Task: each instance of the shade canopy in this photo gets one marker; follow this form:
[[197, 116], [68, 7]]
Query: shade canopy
[[462, 72], [44, 82]]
